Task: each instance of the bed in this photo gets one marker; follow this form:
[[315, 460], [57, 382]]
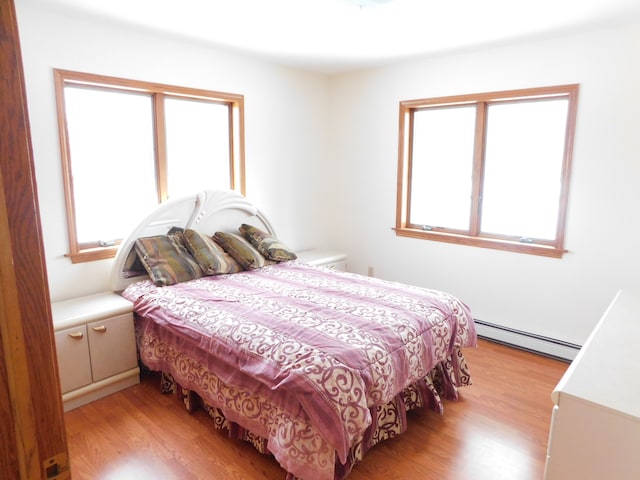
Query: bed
[[311, 365]]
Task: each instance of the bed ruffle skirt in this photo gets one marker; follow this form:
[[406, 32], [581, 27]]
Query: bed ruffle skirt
[[388, 420]]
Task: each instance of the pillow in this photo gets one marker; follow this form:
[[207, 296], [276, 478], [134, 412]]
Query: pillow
[[267, 245], [210, 256], [241, 250], [167, 260], [133, 267]]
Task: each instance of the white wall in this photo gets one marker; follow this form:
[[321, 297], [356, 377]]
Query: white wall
[[285, 123], [322, 159], [558, 298]]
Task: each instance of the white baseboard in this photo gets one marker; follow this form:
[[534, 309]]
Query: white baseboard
[[550, 347]]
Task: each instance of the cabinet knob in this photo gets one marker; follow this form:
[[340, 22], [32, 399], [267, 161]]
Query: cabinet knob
[[76, 335], [100, 328]]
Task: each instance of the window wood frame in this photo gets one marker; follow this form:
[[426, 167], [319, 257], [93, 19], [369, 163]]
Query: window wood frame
[[473, 236], [158, 92]]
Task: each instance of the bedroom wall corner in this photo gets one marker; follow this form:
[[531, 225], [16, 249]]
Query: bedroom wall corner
[[285, 122], [556, 298]]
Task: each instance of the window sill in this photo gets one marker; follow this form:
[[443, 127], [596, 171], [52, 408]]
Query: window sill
[[91, 254], [496, 244]]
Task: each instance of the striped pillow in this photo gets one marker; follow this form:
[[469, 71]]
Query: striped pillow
[[241, 250], [267, 245], [211, 258], [167, 260]]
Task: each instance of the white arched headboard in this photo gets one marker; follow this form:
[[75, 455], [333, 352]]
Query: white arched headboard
[[208, 212]]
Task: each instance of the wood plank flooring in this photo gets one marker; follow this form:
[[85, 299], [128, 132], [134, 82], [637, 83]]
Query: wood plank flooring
[[497, 430]]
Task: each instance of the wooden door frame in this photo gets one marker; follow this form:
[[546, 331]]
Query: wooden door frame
[[34, 444]]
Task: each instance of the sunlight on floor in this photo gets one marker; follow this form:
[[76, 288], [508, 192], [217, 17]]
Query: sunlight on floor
[[497, 454], [128, 468]]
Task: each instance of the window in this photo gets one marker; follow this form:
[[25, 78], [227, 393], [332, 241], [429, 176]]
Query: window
[[128, 145], [490, 170]]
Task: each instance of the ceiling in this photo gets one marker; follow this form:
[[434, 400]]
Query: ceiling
[[333, 36]]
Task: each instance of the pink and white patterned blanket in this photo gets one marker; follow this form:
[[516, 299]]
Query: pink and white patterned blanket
[[325, 344]]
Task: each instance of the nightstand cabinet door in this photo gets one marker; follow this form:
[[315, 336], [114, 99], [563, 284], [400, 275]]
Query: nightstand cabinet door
[[72, 346], [112, 344]]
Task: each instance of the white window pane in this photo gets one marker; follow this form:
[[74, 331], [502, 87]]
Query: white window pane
[[198, 156], [441, 172], [112, 160], [523, 168]]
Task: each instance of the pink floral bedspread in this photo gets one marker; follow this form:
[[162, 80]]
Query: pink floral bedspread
[[325, 344]]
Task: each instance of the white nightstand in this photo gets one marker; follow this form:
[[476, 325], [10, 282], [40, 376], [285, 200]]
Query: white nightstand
[[96, 348], [326, 258]]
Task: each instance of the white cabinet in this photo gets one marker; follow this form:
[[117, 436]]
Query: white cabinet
[[74, 364], [326, 258], [95, 344], [595, 425]]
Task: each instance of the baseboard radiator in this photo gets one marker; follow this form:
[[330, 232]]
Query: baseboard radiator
[[550, 347]]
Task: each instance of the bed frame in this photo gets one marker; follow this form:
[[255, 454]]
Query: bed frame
[[208, 211]]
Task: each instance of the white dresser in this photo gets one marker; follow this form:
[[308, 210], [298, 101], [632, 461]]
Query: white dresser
[[95, 345], [595, 426]]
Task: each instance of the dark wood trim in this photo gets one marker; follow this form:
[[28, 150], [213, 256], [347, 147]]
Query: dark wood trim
[[160, 138], [30, 402], [480, 137], [158, 93], [484, 242], [473, 235]]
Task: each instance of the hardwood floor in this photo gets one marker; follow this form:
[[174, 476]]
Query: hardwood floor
[[497, 430]]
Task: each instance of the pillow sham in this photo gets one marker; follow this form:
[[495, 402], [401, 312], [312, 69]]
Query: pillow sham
[[210, 256], [266, 244], [167, 260], [241, 250], [133, 267]]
